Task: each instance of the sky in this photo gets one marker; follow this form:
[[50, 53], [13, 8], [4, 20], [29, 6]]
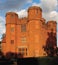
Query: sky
[[49, 8]]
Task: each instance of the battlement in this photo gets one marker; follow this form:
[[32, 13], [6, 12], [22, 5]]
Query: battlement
[[22, 20], [11, 13], [34, 7], [51, 23], [51, 26], [34, 12], [11, 17]]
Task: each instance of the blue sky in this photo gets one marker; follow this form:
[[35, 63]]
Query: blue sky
[[49, 7]]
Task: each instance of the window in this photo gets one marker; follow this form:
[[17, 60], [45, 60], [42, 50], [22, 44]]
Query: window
[[12, 41], [23, 40], [26, 51], [44, 54], [23, 51], [23, 28], [12, 29]]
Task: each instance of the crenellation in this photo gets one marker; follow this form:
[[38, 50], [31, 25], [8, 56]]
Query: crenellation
[[34, 13], [11, 13], [34, 7]]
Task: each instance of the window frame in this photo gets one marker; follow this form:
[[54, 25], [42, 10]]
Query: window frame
[[23, 27], [12, 41]]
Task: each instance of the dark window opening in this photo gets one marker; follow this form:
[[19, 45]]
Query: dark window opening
[[23, 40], [12, 41], [23, 51], [12, 29], [23, 28]]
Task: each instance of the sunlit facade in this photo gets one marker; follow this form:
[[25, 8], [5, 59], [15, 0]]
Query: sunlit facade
[[27, 35]]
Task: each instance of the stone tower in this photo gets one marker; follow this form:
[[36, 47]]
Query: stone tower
[[11, 19], [35, 25]]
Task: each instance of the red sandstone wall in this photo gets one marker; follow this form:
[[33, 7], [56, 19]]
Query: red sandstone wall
[[36, 32]]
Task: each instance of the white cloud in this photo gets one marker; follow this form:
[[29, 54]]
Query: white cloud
[[54, 15], [49, 9], [22, 13], [48, 5], [2, 25]]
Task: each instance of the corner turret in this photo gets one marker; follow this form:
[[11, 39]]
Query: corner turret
[[11, 17], [34, 12]]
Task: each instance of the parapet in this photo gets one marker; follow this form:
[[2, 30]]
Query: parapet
[[35, 7], [52, 26], [34, 12], [53, 22], [22, 20], [11, 13], [11, 17]]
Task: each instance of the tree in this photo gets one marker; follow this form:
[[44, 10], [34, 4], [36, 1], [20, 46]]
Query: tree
[[50, 46], [3, 35]]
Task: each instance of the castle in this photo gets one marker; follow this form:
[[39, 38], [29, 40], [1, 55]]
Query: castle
[[27, 35]]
